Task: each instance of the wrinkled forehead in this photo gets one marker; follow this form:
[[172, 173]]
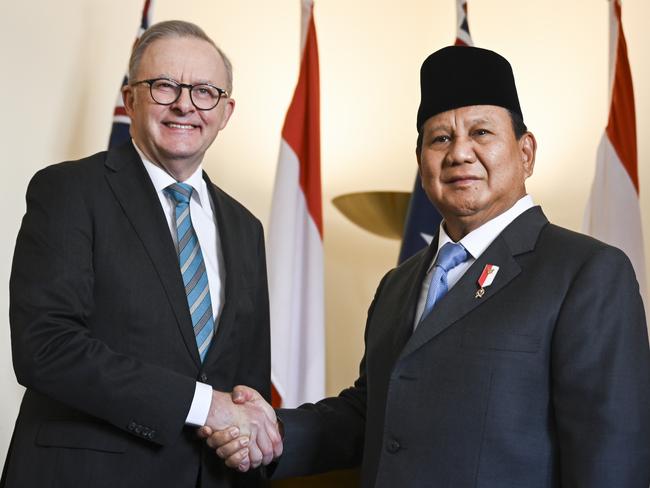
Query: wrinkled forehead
[[468, 116], [189, 57]]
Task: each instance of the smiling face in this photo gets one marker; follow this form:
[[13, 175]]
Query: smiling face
[[176, 136], [472, 166]]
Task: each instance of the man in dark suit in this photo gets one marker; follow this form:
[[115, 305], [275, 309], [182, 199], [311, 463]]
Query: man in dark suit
[[137, 288], [511, 353]]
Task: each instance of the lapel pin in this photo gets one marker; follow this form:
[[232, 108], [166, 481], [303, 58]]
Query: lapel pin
[[487, 277]]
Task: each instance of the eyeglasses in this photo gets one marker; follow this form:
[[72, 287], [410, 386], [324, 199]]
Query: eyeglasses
[[165, 91]]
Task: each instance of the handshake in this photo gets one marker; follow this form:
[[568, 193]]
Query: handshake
[[242, 428]]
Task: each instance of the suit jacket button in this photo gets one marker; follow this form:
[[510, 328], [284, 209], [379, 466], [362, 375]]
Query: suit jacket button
[[203, 378], [131, 426], [393, 446], [138, 429]]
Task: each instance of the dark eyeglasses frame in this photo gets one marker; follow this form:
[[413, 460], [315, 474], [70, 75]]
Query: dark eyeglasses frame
[[222, 93]]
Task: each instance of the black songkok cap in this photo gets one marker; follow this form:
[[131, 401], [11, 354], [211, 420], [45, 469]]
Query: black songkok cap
[[459, 76]]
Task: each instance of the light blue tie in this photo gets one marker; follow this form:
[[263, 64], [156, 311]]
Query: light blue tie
[[450, 256], [195, 277]]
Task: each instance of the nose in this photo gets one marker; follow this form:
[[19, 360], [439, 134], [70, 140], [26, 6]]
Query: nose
[[183, 103], [461, 151]]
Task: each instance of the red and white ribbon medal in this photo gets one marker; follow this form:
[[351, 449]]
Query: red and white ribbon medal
[[487, 277]]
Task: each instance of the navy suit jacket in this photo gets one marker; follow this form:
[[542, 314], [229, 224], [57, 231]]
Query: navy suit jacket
[[544, 382], [102, 336]]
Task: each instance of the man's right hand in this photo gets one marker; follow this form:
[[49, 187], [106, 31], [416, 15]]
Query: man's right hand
[[255, 440]]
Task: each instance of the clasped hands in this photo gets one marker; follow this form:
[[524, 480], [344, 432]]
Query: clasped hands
[[242, 428]]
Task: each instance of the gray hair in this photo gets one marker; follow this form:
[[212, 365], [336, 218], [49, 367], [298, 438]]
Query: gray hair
[[173, 28]]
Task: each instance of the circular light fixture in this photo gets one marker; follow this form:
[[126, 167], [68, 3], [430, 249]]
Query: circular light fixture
[[381, 212]]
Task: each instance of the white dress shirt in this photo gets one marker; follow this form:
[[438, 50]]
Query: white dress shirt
[[476, 242], [205, 225]]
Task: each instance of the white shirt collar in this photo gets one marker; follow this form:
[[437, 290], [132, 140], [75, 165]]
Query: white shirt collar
[[161, 179], [477, 241]]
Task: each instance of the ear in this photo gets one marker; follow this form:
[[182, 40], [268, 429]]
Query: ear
[[228, 109], [127, 97], [528, 149]]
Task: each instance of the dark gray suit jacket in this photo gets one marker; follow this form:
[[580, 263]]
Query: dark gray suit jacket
[[542, 383], [102, 336]]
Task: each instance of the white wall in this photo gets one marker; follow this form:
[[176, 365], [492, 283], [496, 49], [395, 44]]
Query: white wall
[[62, 63]]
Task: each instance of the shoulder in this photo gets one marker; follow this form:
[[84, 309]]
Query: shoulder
[[122, 155], [76, 166], [534, 238], [577, 246], [414, 262], [404, 274], [72, 168], [570, 250], [62, 177]]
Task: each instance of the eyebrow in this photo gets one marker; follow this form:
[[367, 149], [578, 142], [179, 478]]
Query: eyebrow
[[200, 81], [470, 122]]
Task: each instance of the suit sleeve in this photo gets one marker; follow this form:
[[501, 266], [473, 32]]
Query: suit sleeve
[[329, 434], [601, 378], [51, 303], [256, 372]]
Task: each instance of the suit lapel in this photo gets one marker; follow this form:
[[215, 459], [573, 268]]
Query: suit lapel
[[231, 274], [136, 195], [409, 304], [519, 237]]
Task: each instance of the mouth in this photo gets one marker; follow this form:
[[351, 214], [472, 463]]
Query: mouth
[[177, 126], [461, 179]]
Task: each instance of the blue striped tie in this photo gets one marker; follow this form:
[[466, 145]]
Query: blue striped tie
[[195, 277]]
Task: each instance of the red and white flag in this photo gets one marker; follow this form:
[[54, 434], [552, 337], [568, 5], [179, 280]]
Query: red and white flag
[[295, 241], [613, 214]]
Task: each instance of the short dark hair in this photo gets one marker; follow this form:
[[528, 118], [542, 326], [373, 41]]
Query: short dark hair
[[518, 127], [517, 124]]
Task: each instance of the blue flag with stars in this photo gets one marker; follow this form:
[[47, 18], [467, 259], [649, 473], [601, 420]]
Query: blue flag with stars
[[121, 121]]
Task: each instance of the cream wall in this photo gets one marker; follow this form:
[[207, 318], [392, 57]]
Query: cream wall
[[62, 64]]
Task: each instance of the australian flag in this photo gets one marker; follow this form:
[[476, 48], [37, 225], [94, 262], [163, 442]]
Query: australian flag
[[422, 221], [121, 121], [422, 218]]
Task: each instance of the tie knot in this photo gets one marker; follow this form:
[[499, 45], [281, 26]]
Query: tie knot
[[451, 255], [180, 192]]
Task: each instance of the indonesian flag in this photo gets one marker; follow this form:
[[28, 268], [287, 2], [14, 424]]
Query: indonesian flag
[[295, 241], [613, 214], [121, 121]]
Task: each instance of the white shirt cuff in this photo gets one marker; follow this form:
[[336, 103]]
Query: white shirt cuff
[[200, 407]]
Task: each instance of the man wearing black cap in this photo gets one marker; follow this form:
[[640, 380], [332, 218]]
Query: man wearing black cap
[[511, 352]]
